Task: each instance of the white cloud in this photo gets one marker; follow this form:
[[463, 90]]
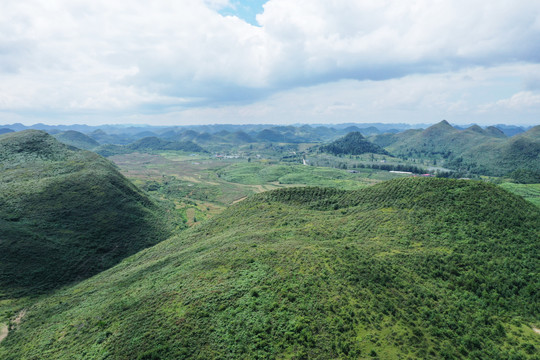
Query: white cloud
[[523, 100], [421, 98], [71, 55], [356, 37]]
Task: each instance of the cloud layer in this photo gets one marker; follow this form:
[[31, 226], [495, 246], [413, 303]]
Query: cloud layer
[[171, 59]]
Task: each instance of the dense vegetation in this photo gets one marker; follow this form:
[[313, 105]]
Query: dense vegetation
[[502, 158], [65, 214], [441, 139], [409, 268], [148, 144], [472, 150], [352, 144], [530, 192], [469, 152], [154, 143], [525, 176], [77, 139]]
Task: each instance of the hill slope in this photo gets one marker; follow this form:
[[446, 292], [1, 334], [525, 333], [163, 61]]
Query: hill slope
[[154, 143], [481, 151], [411, 268], [65, 214], [500, 158], [77, 139], [150, 143], [442, 140], [352, 144]]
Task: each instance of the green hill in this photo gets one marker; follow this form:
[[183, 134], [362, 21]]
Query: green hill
[[352, 144], [239, 137], [494, 131], [410, 268], [441, 140], [146, 144], [387, 139], [65, 214], [501, 158], [77, 139], [476, 150], [154, 143]]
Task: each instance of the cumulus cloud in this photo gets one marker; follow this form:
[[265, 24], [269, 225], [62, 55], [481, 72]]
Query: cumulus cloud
[[385, 39], [419, 98], [80, 55], [523, 100]]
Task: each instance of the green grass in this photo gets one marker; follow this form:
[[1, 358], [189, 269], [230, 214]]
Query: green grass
[[201, 181], [294, 174], [410, 268], [530, 192]]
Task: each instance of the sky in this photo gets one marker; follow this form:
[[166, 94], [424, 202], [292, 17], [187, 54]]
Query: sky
[[179, 62]]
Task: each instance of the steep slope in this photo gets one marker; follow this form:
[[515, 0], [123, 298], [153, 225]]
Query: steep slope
[[239, 137], [501, 158], [270, 135], [441, 140], [146, 144], [352, 144], [533, 134], [77, 139], [387, 139], [411, 268], [188, 135], [494, 131], [154, 143], [482, 151], [103, 138], [65, 214]]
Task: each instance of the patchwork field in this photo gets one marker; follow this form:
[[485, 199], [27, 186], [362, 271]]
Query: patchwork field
[[201, 186]]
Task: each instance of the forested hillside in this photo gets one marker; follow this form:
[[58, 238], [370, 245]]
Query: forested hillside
[[475, 150], [65, 214], [440, 140], [409, 268], [352, 144], [77, 139], [520, 152]]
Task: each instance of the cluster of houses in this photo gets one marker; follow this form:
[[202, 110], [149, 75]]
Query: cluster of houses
[[222, 156]]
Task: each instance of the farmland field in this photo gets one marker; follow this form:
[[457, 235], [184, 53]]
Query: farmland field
[[201, 186]]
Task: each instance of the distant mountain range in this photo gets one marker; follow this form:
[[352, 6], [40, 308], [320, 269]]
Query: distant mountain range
[[488, 151], [123, 134]]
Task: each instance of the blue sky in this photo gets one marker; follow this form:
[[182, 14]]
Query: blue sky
[[276, 61], [246, 10]]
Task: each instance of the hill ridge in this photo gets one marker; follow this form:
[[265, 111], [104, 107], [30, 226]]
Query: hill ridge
[[353, 143], [65, 214]]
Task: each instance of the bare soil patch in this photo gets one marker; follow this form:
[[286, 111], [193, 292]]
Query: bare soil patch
[[4, 330]]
